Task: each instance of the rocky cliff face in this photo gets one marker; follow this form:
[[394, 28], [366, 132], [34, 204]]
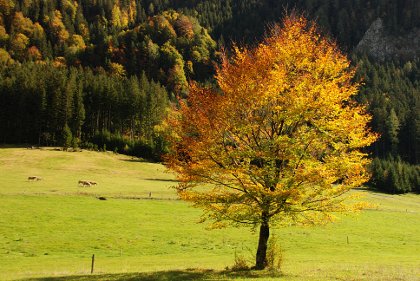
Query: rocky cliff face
[[378, 43]]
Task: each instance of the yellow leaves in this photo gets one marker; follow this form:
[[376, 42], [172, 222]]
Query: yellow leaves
[[5, 57], [116, 16], [19, 43], [280, 136], [38, 31], [84, 31], [77, 44], [70, 8], [132, 11], [6, 7], [21, 24], [57, 27], [117, 69], [3, 36], [59, 62], [77, 40], [123, 15]]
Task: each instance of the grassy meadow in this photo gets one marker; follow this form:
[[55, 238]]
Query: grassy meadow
[[49, 229]]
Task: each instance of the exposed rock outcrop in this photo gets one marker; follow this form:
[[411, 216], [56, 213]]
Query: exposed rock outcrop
[[378, 43]]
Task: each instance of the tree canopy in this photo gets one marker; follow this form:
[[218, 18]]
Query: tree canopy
[[279, 141]]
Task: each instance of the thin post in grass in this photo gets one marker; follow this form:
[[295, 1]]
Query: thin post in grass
[[348, 239], [93, 264]]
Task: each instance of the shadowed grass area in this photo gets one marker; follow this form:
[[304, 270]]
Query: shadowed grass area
[[362, 274], [174, 275], [166, 275], [49, 229]]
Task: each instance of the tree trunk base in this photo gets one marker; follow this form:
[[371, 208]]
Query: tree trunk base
[[257, 268], [261, 258]]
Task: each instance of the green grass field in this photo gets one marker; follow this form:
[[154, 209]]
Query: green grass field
[[49, 229]]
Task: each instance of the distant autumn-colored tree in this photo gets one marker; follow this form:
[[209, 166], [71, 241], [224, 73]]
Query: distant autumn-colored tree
[[22, 24], [6, 7], [18, 45], [4, 37], [34, 54], [5, 57], [77, 45], [279, 142], [117, 69], [58, 29]]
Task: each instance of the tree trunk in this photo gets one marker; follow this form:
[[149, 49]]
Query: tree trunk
[[261, 258]]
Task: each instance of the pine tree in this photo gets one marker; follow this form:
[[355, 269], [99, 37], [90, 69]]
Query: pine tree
[[392, 129]]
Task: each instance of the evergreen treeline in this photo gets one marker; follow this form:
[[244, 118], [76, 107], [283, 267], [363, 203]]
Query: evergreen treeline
[[71, 106], [392, 92], [395, 176]]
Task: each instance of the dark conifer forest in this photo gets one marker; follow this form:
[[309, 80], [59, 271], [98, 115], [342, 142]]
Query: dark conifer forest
[[101, 74]]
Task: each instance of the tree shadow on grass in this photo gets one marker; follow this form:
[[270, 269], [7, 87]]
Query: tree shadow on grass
[[168, 180], [136, 160], [174, 275]]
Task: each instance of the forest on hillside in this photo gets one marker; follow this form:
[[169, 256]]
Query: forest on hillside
[[101, 73]]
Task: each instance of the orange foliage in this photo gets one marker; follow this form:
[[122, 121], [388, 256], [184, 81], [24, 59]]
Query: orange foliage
[[58, 29], [34, 53], [280, 141], [21, 24], [59, 62]]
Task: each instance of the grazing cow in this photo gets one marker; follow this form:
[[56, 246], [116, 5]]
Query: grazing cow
[[34, 178], [93, 182], [84, 183]]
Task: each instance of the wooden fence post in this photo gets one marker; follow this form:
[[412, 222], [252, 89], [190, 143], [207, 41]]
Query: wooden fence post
[[93, 263]]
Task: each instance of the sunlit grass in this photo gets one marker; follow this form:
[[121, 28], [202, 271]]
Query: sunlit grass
[[117, 175], [52, 227]]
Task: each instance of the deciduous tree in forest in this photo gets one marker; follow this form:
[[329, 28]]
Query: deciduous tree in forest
[[279, 142]]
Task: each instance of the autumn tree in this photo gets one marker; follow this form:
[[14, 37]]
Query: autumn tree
[[58, 29], [5, 57], [279, 141]]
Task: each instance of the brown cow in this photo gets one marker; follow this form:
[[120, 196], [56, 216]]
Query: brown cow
[[84, 183]]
